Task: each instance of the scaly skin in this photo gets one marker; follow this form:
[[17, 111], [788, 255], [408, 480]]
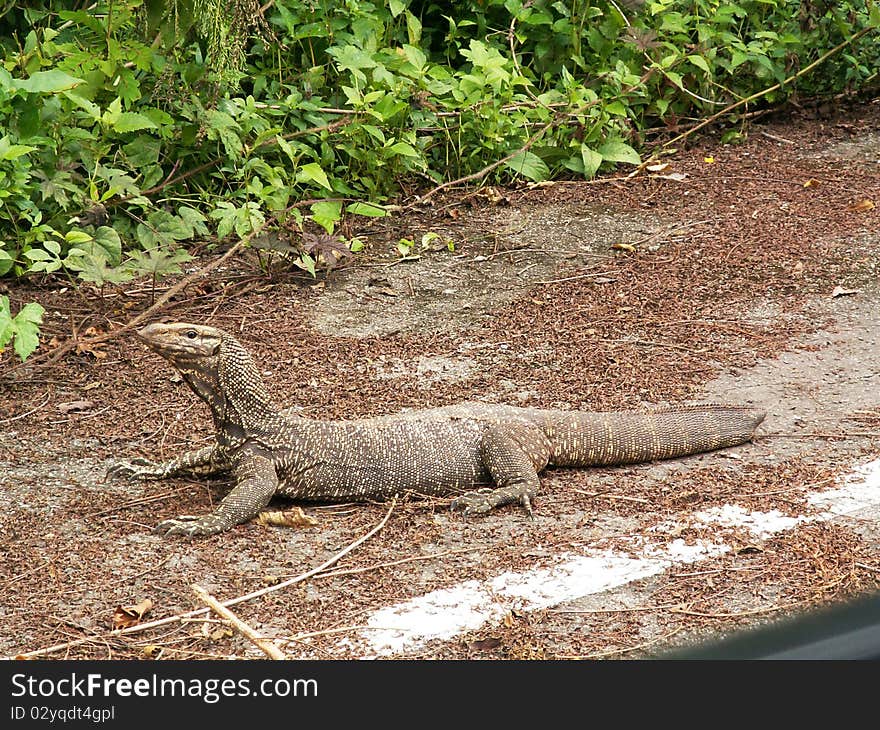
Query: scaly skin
[[488, 455]]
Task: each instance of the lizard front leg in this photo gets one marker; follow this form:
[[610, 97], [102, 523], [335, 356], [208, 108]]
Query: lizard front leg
[[206, 461], [255, 483]]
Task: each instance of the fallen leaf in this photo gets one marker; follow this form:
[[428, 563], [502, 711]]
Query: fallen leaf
[[221, 632], [659, 167], [76, 405], [749, 549], [839, 291], [492, 642], [293, 517], [623, 246], [812, 183], [151, 651], [676, 176], [380, 286], [861, 206], [603, 280], [125, 616], [709, 160]]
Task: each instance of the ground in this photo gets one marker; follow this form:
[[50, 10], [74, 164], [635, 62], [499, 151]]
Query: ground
[[743, 274]]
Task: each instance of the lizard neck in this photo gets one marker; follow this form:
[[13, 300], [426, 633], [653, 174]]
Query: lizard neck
[[234, 391]]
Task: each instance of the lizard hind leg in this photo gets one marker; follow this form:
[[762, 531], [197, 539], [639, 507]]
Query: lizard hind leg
[[513, 455]]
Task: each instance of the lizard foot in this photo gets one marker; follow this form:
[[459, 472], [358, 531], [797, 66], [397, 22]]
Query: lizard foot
[[481, 501], [135, 469], [188, 526]]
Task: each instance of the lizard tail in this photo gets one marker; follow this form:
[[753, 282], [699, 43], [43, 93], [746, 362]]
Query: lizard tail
[[629, 437]]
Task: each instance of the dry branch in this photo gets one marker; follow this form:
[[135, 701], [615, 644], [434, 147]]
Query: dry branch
[[264, 645]]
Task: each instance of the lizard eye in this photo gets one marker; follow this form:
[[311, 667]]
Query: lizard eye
[[192, 334]]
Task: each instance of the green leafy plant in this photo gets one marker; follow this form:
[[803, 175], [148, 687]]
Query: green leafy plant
[[23, 330], [173, 121]]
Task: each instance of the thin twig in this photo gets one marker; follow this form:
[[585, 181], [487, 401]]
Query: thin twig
[[377, 566], [180, 617], [30, 412], [264, 645]]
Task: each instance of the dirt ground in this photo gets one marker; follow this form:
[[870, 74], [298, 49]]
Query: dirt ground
[[743, 274]]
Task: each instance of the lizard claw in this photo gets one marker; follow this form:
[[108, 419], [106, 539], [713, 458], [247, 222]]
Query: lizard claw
[[481, 501], [477, 502]]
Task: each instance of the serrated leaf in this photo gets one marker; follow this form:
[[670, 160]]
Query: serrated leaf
[[312, 172], [26, 325], [529, 165], [616, 151], [142, 151], [194, 219]]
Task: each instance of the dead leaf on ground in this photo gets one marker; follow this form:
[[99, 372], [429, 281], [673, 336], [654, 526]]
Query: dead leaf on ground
[[293, 517], [659, 167], [76, 405], [623, 247], [674, 176], [839, 291], [151, 651], [491, 642], [380, 286], [812, 183], [216, 633], [126, 616], [97, 350], [861, 206]]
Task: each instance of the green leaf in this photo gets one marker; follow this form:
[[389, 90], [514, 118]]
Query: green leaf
[[326, 213], [6, 263], [699, 62], [592, 161], [25, 326], [312, 172], [529, 165], [13, 151], [371, 210], [132, 122], [48, 82], [108, 239], [617, 151], [307, 263]]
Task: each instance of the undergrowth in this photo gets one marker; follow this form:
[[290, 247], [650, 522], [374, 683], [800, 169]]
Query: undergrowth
[[131, 129]]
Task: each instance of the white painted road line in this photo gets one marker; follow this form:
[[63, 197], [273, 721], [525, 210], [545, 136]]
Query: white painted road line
[[445, 613]]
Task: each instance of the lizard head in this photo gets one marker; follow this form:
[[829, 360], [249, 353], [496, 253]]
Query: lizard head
[[216, 367], [184, 345]]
